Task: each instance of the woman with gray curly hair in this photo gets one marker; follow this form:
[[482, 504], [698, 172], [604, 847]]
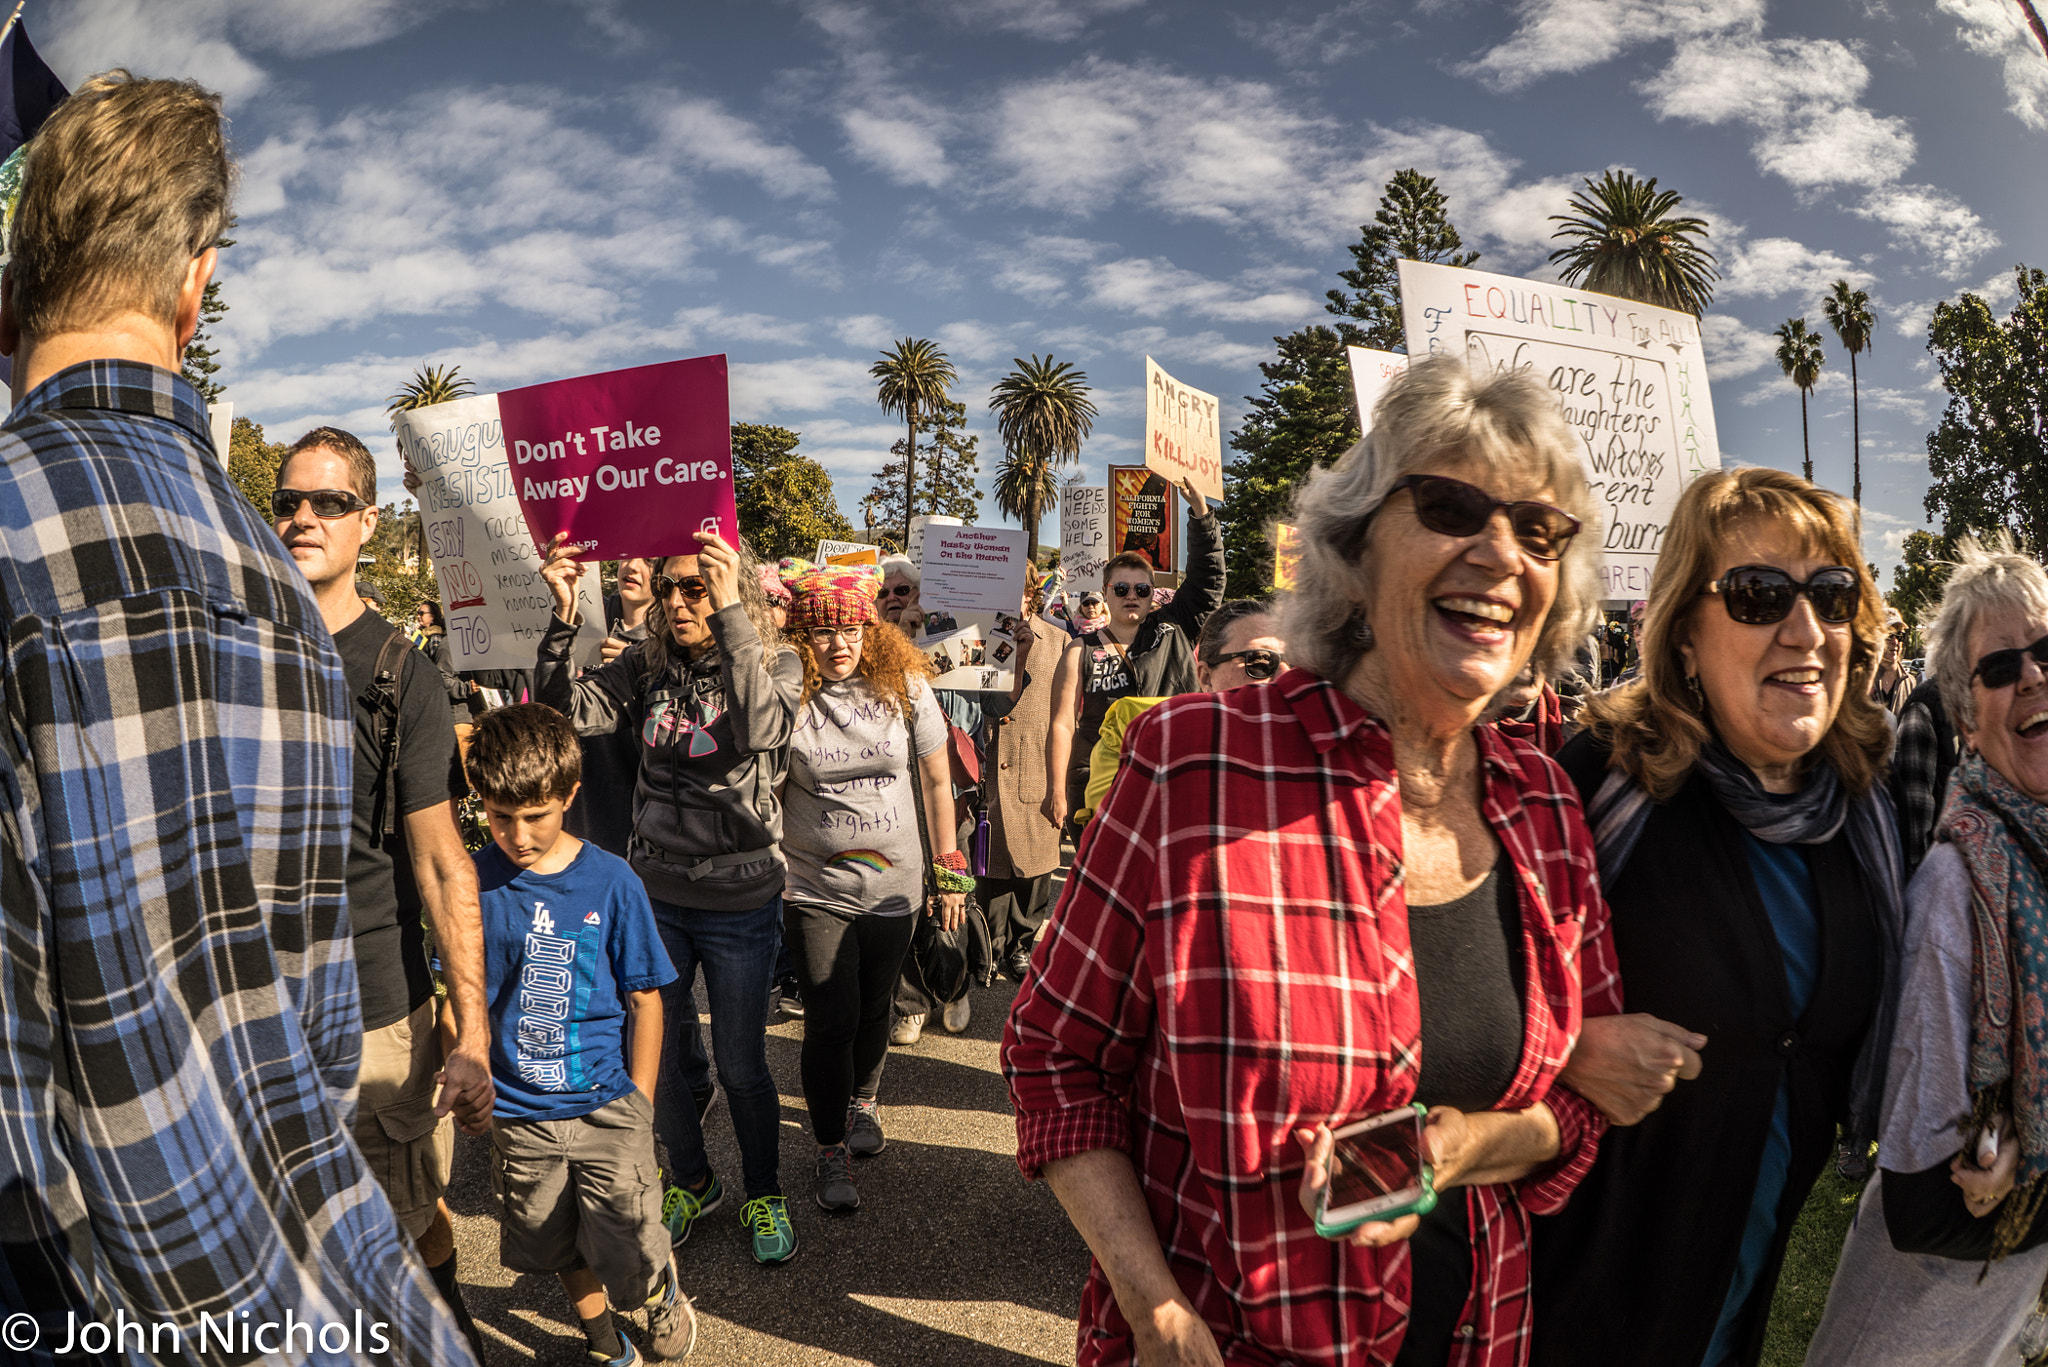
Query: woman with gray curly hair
[[1326, 898], [712, 693], [1945, 1264]]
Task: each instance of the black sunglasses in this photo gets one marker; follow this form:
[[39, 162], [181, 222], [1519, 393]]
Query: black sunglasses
[[2001, 668], [1451, 507], [327, 503], [692, 585], [900, 591], [1126, 590], [1760, 595], [1260, 665]]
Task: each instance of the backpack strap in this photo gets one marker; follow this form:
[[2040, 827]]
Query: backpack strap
[[382, 699]]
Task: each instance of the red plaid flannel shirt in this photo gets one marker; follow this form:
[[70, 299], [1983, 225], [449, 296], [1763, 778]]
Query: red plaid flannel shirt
[[1231, 959]]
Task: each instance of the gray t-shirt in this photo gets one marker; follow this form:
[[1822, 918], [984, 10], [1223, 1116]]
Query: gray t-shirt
[[1893, 1309], [849, 829]]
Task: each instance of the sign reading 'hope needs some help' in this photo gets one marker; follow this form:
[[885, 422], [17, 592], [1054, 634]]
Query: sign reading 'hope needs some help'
[[628, 463], [1631, 379], [1183, 440]]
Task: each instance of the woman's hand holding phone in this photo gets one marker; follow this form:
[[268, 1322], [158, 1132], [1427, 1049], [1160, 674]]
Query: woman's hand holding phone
[[1316, 1146]]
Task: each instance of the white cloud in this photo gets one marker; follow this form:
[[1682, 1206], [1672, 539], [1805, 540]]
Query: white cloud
[[1932, 221], [806, 384], [1055, 21], [1153, 287], [906, 150], [1557, 37], [1735, 349], [1767, 267], [864, 330], [706, 137], [1994, 28]]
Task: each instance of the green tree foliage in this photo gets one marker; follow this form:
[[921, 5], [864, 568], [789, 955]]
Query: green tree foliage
[[1988, 461], [1413, 221], [399, 566], [253, 462], [1623, 238], [1923, 568], [785, 500], [1303, 417], [947, 488], [1044, 413], [1801, 357], [1848, 313], [912, 378], [202, 361]]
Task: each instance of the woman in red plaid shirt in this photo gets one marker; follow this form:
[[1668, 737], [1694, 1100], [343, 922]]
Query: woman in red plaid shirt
[[1310, 901]]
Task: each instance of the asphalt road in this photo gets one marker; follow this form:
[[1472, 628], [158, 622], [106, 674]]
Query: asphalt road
[[951, 1259]]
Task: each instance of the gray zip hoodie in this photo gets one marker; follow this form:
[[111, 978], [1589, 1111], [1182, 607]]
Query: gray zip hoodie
[[713, 736]]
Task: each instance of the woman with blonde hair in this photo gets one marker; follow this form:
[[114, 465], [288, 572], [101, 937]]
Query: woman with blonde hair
[[869, 745], [1749, 859], [1401, 912]]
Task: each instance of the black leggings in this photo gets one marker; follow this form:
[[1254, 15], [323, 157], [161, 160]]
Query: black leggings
[[849, 966]]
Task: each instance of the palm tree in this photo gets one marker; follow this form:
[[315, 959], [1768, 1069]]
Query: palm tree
[[1044, 413], [1801, 357], [1622, 239], [430, 384], [910, 380], [1848, 313]]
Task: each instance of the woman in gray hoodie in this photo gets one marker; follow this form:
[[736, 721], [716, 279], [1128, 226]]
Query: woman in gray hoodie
[[712, 695]]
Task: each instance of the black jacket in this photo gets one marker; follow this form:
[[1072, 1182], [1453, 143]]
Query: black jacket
[[1634, 1271]]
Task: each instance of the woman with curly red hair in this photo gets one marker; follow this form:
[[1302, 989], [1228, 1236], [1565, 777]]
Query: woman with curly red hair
[[869, 742]]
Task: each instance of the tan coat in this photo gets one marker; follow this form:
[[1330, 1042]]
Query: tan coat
[[1022, 843]]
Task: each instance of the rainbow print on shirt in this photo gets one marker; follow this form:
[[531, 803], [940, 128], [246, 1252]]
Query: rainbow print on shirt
[[872, 860]]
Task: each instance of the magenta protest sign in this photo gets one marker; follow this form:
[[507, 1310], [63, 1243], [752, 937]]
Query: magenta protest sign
[[628, 463]]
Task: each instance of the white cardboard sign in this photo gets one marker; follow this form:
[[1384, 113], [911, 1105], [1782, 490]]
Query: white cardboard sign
[[1371, 373], [972, 569], [1631, 378], [1084, 536], [485, 563], [1183, 437]]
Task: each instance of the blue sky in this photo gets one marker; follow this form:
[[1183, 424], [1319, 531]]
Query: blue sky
[[531, 191]]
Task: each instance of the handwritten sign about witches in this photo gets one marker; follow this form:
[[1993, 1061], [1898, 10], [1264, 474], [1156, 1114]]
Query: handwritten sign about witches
[[1631, 378], [1084, 537], [628, 463], [486, 566], [1141, 514], [1183, 439]]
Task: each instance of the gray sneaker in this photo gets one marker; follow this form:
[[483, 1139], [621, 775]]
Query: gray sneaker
[[671, 1323], [864, 1130], [836, 1189]]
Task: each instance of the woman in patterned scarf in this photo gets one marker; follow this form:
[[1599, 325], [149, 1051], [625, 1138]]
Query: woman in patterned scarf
[[1964, 1146]]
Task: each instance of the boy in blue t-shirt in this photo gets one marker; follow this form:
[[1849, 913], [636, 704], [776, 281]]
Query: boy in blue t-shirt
[[571, 960]]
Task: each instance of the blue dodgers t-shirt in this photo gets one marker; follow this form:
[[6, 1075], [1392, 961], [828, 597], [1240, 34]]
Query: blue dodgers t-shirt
[[561, 951]]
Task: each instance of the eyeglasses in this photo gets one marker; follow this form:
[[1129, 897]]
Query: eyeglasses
[[1451, 507], [1259, 665], [2001, 668], [1760, 595], [1143, 591], [899, 591], [327, 503], [824, 636], [692, 587]]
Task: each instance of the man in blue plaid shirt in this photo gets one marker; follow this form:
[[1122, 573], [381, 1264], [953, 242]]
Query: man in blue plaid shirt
[[179, 1018]]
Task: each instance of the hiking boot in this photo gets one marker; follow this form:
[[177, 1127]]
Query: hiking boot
[[671, 1323], [864, 1130], [681, 1208], [957, 1014], [774, 1237], [836, 1190], [907, 1029]]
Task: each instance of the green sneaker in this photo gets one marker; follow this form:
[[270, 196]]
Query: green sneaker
[[774, 1239], [681, 1208]]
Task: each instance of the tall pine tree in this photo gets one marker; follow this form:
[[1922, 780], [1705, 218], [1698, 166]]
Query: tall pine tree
[[945, 484], [1413, 221], [202, 362]]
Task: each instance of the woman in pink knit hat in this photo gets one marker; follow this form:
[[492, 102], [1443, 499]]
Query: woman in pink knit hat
[[869, 743]]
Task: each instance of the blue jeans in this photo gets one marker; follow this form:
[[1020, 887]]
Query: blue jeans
[[736, 950]]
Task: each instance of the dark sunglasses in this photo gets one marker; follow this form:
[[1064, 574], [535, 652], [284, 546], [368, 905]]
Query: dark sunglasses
[[692, 585], [1451, 507], [1260, 665], [2001, 668], [327, 503], [1126, 590], [1760, 595], [900, 591]]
